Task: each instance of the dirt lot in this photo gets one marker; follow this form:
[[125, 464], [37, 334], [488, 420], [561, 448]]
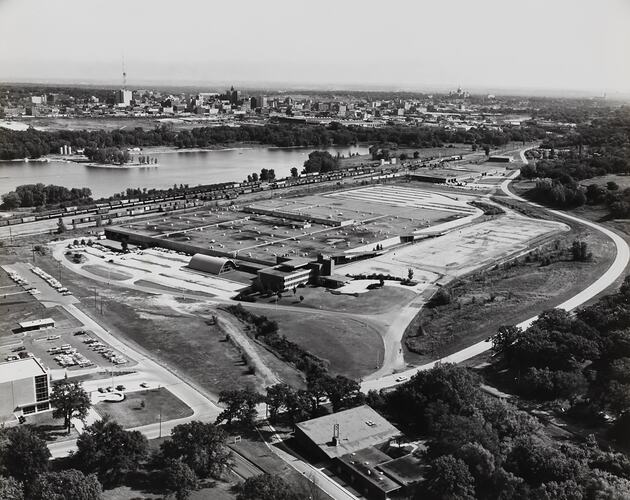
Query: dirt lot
[[132, 412], [485, 301], [373, 301]]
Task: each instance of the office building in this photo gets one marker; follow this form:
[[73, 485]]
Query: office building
[[24, 388]]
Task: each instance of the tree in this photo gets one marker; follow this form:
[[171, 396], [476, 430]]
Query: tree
[[254, 177], [620, 431], [107, 449], [277, 397], [612, 186], [410, 274], [265, 487], [432, 394], [301, 298], [505, 337], [342, 392], [264, 175], [486, 149], [66, 485], [61, 226], [449, 478], [298, 405], [199, 445], [320, 162], [240, 405], [23, 454], [440, 298], [294, 172], [10, 489], [179, 479], [69, 400], [11, 200], [579, 251]]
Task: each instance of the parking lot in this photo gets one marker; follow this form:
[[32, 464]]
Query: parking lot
[[47, 289], [65, 347]]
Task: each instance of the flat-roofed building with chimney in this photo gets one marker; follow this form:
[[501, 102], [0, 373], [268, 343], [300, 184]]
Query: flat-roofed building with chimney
[[364, 448]]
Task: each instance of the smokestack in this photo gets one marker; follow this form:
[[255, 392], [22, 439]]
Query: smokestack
[[335, 439]]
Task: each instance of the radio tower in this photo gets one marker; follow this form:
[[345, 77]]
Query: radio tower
[[124, 74]]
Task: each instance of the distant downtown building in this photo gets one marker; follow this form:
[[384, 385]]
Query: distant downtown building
[[24, 388], [125, 97]]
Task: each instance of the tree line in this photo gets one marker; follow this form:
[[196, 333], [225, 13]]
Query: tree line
[[33, 143], [596, 148], [38, 195], [479, 446]]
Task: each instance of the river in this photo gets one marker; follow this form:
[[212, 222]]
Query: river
[[175, 167]]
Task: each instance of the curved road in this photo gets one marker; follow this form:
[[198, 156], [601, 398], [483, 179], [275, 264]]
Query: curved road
[[615, 270]]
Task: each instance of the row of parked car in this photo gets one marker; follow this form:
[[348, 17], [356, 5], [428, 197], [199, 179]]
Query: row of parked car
[[24, 283], [66, 356], [53, 282], [108, 353]]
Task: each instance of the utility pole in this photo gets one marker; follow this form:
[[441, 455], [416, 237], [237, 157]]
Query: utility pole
[[160, 435]]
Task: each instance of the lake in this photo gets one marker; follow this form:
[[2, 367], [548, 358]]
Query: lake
[[175, 167]]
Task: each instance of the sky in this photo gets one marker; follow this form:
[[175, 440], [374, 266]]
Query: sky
[[493, 45]]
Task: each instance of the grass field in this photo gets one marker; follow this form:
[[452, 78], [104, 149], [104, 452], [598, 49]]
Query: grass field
[[502, 297], [49, 428], [186, 343], [132, 413], [350, 346]]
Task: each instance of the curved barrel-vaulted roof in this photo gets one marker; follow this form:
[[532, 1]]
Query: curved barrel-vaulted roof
[[210, 264]]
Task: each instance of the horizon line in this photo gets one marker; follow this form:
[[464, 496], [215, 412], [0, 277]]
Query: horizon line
[[283, 87]]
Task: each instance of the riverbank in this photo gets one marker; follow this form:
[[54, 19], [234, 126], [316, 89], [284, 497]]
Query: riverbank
[[231, 164], [124, 166]]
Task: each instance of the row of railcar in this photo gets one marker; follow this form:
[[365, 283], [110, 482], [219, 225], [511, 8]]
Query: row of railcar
[[222, 191]]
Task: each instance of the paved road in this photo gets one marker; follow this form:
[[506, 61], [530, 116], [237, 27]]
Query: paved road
[[615, 270]]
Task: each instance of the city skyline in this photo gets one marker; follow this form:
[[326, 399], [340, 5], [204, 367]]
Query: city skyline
[[570, 47]]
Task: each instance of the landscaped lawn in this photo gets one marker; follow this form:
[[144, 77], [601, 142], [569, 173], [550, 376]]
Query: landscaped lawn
[[132, 413], [351, 346]]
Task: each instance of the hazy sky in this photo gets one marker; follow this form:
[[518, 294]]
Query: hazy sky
[[484, 44]]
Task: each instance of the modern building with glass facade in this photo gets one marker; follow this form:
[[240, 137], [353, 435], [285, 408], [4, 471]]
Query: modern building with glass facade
[[24, 388]]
